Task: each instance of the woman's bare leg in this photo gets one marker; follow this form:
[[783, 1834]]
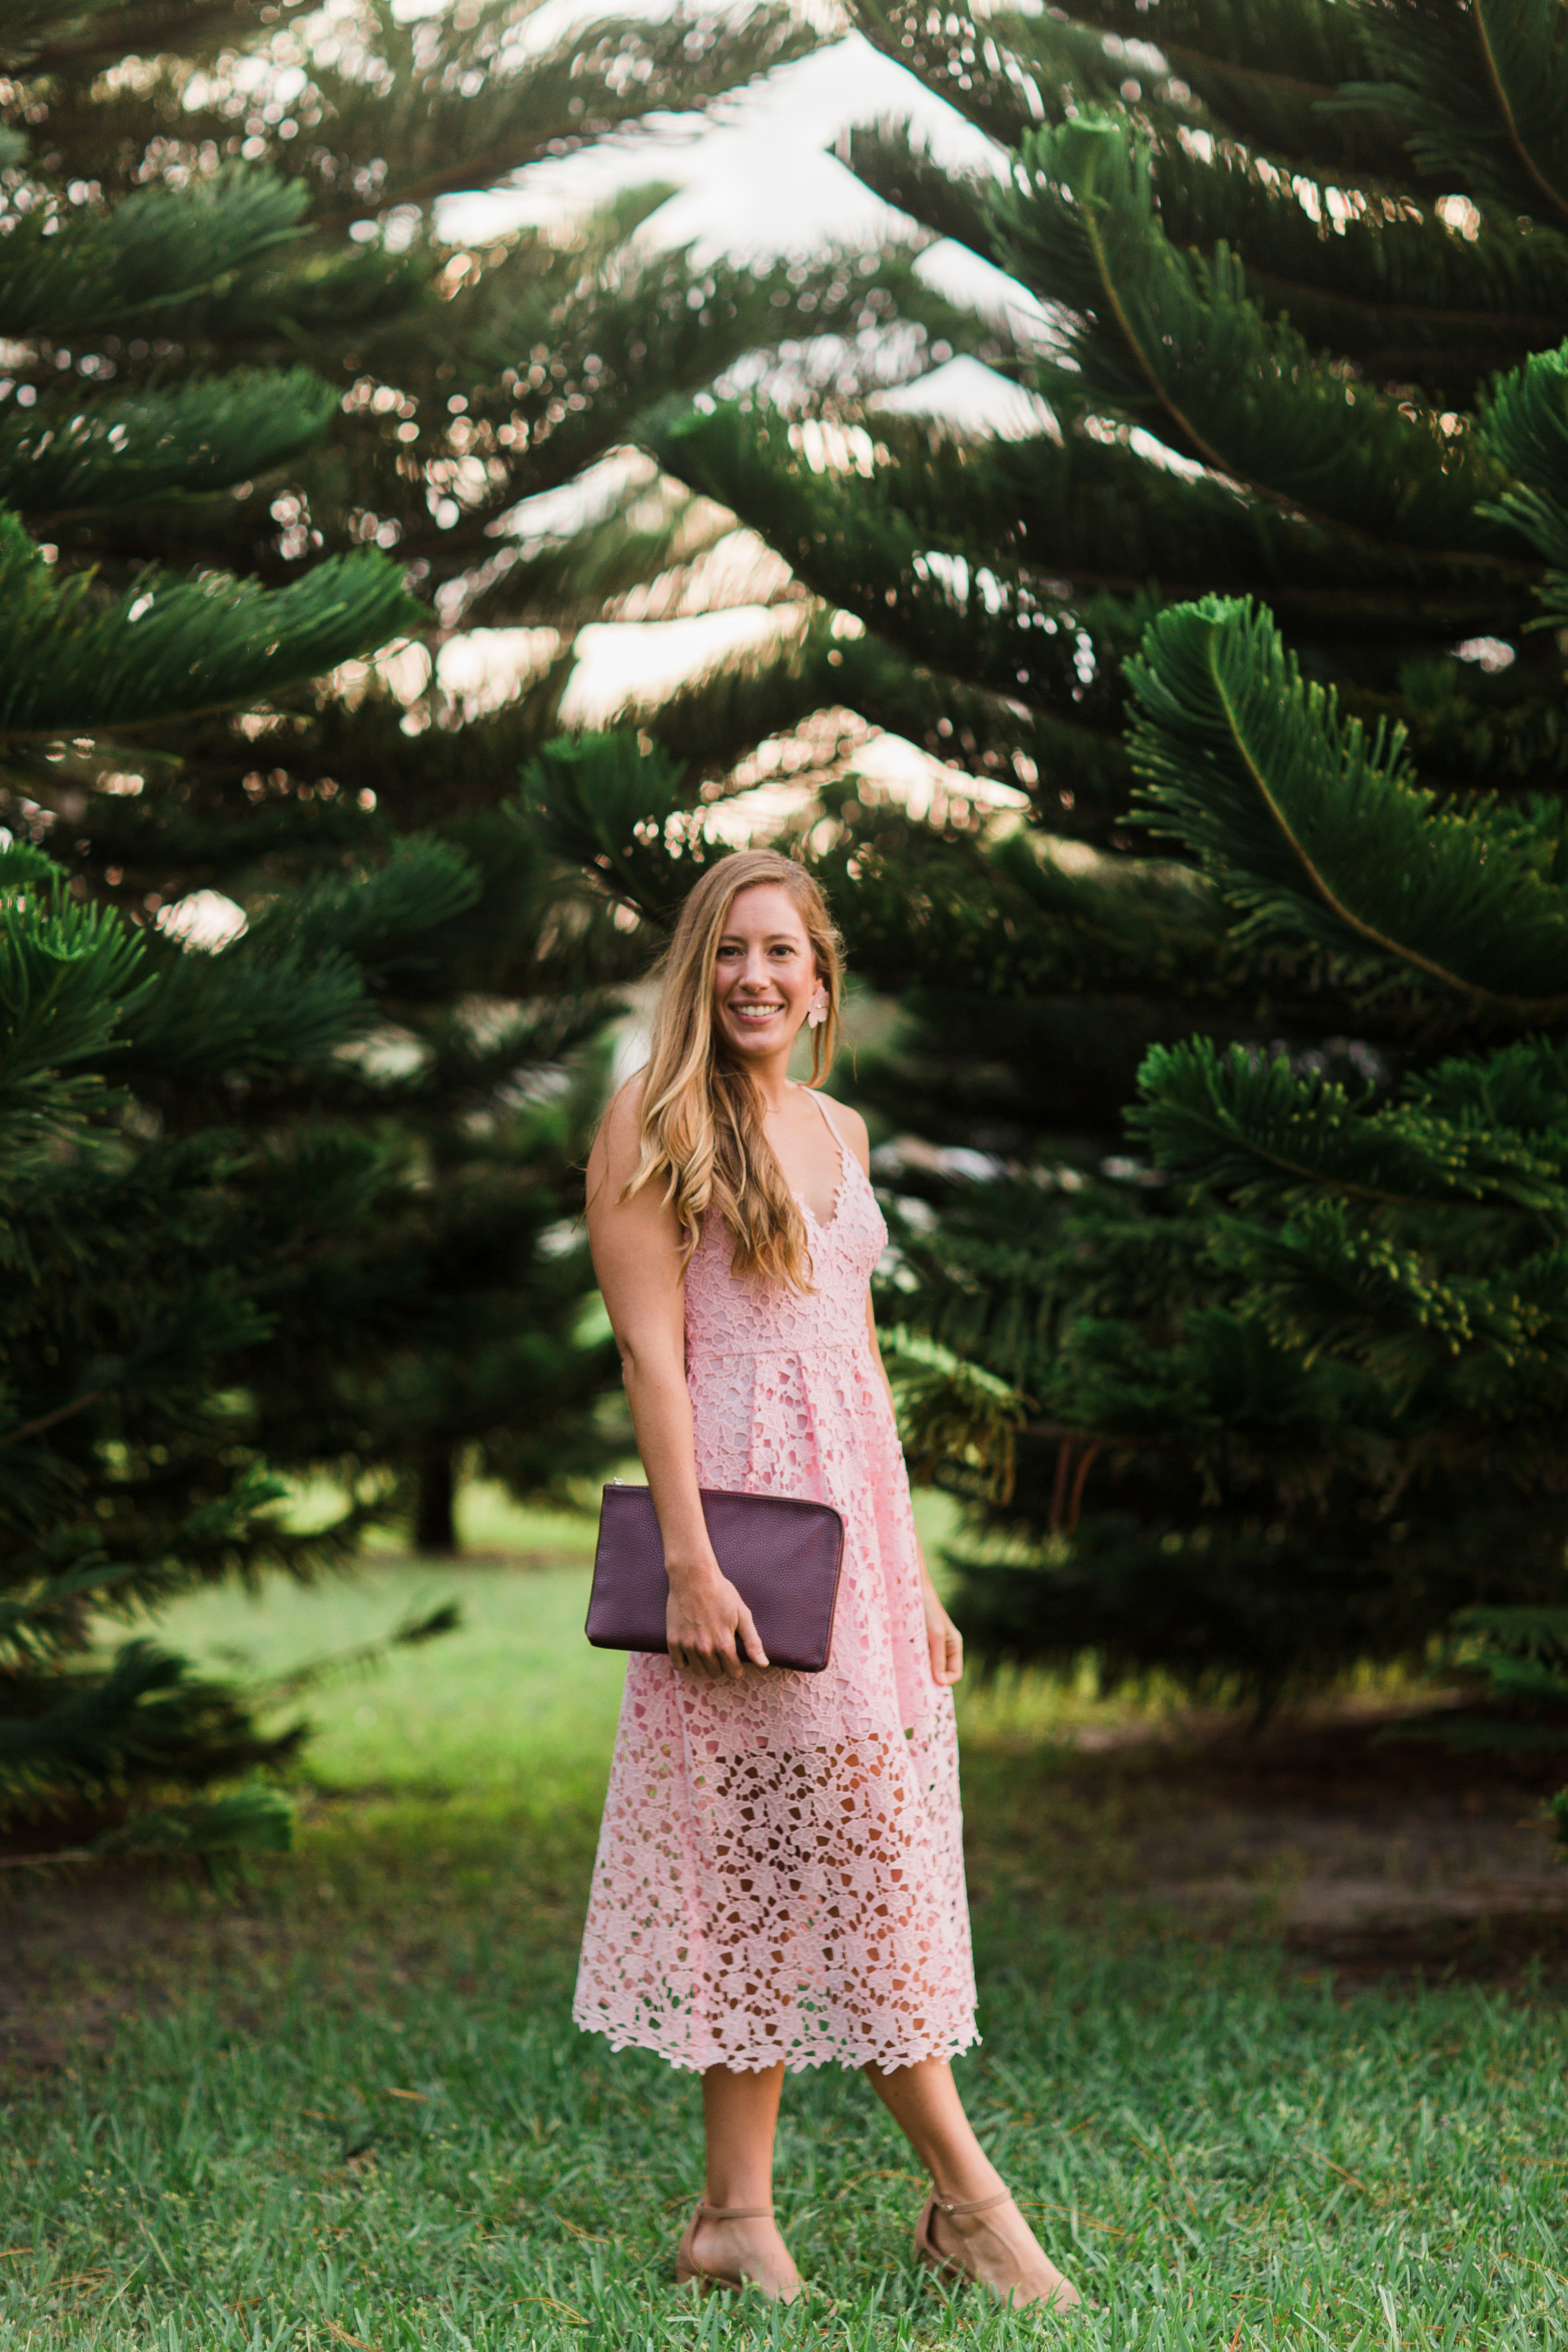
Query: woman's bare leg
[[998, 2246], [740, 2112]]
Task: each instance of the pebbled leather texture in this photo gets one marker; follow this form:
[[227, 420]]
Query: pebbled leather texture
[[781, 1553]]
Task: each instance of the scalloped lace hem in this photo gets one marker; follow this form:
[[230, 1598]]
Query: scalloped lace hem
[[619, 2036]]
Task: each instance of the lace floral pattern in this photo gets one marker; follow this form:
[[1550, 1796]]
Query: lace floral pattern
[[781, 1869]]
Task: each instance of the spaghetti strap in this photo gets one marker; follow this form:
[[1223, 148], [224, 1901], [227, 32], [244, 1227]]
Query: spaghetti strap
[[821, 1102]]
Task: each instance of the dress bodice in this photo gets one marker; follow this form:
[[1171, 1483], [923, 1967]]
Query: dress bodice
[[728, 1315]]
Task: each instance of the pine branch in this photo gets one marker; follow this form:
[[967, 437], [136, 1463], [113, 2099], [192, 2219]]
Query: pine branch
[[1428, 1324], [885, 157], [42, 1617], [1525, 426], [974, 614], [636, 320], [60, 461], [200, 1323], [942, 52], [1482, 93], [244, 1009], [605, 80], [33, 29], [378, 918], [602, 805], [1409, 297], [254, 1819], [1320, 836], [1006, 919], [175, 646], [1250, 1126], [148, 1717], [951, 1412], [147, 29], [71, 976], [1015, 1265], [559, 353], [639, 557], [416, 1629], [1077, 776], [70, 273], [1012, 524], [1266, 77], [1175, 345], [294, 989]]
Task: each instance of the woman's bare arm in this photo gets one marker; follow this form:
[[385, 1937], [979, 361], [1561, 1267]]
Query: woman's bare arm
[[636, 1256]]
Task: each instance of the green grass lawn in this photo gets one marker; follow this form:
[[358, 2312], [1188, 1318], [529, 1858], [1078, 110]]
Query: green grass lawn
[[351, 2108]]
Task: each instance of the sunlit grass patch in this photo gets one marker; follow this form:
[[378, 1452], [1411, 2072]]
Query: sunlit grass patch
[[351, 2108], [430, 2156]]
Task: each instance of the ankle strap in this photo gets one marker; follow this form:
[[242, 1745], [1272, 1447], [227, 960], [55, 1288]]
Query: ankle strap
[[734, 2212], [973, 2205]]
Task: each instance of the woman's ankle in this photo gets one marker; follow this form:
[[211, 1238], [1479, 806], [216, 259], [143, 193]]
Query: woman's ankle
[[968, 2184], [738, 2198]]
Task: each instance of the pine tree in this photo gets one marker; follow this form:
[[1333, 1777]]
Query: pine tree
[[234, 1228], [461, 381], [1403, 1250], [147, 1263], [1279, 253]]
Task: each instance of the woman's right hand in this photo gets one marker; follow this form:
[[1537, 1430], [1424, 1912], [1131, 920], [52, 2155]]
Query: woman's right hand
[[709, 1628]]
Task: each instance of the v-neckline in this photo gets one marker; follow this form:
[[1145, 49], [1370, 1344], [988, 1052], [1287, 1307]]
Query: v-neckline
[[825, 1224]]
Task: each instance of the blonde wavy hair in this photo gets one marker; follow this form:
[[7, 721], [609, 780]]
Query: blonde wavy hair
[[702, 1131]]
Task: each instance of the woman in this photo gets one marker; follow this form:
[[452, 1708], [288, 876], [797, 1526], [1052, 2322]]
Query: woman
[[780, 1878]]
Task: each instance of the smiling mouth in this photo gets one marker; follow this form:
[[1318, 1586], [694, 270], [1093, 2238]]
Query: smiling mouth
[[757, 1013]]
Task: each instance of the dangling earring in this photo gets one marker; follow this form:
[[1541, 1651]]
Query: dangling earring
[[816, 1011]]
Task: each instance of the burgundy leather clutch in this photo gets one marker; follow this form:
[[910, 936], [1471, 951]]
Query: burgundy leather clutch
[[782, 1556]]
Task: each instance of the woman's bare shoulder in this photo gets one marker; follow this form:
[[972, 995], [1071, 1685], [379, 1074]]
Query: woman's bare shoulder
[[618, 1147], [625, 1113], [852, 1128]]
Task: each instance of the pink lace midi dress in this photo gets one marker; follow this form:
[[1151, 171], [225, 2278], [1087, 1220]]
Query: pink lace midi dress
[[780, 1871]]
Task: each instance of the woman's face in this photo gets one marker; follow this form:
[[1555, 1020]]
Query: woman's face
[[764, 972]]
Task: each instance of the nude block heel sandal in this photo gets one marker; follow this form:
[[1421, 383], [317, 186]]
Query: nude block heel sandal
[[950, 2266], [687, 2273], [1060, 2296]]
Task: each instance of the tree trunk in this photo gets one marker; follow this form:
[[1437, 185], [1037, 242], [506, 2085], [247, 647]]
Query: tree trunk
[[435, 1526]]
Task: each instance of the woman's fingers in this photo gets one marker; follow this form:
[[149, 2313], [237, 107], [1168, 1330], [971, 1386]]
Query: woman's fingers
[[708, 1659], [750, 1639], [710, 1646], [946, 1654]]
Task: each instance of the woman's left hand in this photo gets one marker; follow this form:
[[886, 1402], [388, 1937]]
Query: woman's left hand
[[943, 1639]]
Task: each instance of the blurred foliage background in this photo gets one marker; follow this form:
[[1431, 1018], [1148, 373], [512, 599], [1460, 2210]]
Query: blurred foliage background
[[1210, 970]]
